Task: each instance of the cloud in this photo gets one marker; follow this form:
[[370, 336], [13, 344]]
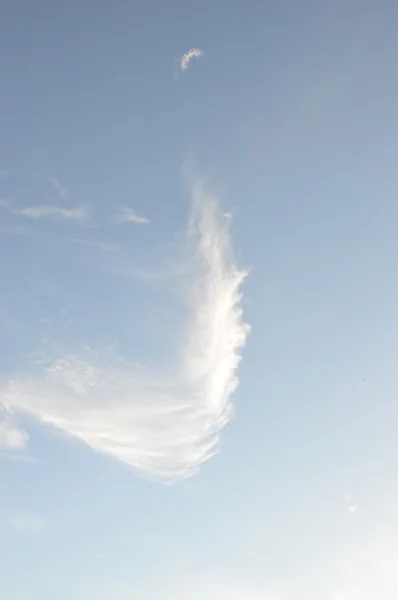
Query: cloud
[[164, 423], [188, 56], [78, 214], [12, 438], [128, 215], [62, 191], [3, 173], [351, 508]]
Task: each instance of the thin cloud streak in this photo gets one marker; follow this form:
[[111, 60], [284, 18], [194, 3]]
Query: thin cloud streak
[[62, 191], [164, 423], [128, 215], [351, 508], [188, 56], [57, 186], [78, 214]]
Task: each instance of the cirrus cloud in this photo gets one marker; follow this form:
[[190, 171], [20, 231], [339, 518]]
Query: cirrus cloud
[[128, 215], [164, 423], [188, 56], [77, 214]]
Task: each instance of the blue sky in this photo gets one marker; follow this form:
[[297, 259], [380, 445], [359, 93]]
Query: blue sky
[[198, 332]]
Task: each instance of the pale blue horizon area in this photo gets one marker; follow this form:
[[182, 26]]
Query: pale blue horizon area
[[290, 117]]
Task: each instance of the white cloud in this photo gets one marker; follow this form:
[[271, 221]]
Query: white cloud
[[351, 508], [49, 211], [12, 438], [162, 423], [62, 191], [128, 215], [188, 56]]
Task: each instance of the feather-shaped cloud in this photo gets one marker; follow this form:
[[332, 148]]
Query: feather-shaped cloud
[[188, 56], [162, 423]]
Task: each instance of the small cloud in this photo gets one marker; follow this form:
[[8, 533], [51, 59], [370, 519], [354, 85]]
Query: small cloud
[[101, 555], [63, 192], [128, 215], [52, 212], [3, 173], [12, 438], [351, 508], [188, 56]]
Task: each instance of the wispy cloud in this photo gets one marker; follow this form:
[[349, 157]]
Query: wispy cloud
[[53, 212], [62, 191], [128, 215], [351, 507], [188, 56], [3, 173], [164, 423], [57, 186]]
